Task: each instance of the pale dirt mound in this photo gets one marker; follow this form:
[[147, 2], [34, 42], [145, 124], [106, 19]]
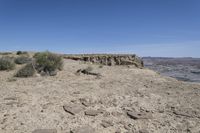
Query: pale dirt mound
[[123, 99]]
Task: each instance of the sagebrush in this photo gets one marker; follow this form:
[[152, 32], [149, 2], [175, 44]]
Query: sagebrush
[[27, 71], [7, 63], [48, 62], [22, 60], [21, 52]]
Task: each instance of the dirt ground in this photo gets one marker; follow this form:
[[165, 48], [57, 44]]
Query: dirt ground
[[124, 99]]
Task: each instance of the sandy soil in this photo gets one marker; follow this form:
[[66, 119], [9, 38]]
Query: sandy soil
[[166, 105]]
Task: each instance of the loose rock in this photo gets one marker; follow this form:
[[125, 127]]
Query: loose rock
[[138, 115], [143, 131], [73, 109], [86, 102], [85, 129], [10, 98], [106, 123], [53, 73], [45, 131], [92, 112], [116, 113]]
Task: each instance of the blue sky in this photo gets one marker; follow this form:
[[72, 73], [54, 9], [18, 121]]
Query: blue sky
[[145, 27]]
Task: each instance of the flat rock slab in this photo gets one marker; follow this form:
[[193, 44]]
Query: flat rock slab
[[107, 123], [45, 131], [92, 112], [138, 115], [187, 112], [10, 98], [73, 108], [84, 129], [143, 131]]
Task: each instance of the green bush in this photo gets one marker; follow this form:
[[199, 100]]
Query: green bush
[[48, 62], [22, 60], [7, 63], [21, 52], [27, 71]]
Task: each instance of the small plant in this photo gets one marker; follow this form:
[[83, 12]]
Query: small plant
[[23, 60], [27, 71], [7, 63], [48, 62]]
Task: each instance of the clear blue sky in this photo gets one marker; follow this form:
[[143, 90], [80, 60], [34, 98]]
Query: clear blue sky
[[144, 27]]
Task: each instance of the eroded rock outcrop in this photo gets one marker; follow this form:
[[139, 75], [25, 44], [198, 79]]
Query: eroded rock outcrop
[[108, 59]]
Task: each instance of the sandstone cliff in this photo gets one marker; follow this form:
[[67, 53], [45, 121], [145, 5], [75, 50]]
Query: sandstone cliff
[[108, 59]]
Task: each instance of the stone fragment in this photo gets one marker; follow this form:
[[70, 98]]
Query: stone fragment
[[73, 108], [10, 98], [186, 112], [45, 131], [106, 114], [92, 112], [143, 131], [42, 73], [118, 130], [101, 110], [127, 127], [53, 73], [76, 92], [115, 113], [86, 102], [12, 103], [84, 129], [138, 115], [107, 123]]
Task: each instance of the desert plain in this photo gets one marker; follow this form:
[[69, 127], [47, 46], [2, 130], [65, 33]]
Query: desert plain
[[122, 99]]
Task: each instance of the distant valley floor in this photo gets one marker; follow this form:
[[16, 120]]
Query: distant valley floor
[[184, 69]]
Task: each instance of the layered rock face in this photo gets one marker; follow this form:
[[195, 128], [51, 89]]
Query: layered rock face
[[108, 59]]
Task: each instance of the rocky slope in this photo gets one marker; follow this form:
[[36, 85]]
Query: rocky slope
[[123, 99]]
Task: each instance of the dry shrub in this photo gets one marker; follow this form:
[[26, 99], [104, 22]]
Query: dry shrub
[[27, 71], [7, 63], [22, 60], [48, 62]]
